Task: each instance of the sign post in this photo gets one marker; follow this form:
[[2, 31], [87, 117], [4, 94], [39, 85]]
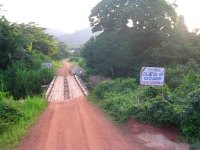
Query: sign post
[[152, 76], [47, 65]]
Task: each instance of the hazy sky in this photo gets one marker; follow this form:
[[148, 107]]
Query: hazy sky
[[71, 15]]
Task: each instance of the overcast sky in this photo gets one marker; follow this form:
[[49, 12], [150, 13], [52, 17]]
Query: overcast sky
[[71, 15]]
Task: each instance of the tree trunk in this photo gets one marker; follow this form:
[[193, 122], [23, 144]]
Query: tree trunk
[[112, 71]]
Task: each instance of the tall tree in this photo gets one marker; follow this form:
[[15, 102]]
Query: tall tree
[[10, 41], [18, 40], [107, 53], [132, 30], [181, 27], [114, 15]]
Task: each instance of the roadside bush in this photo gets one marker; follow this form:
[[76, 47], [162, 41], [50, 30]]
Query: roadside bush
[[117, 85], [16, 117], [101, 89], [32, 106], [152, 92], [147, 92], [46, 75], [118, 106], [10, 111], [36, 59], [116, 98], [26, 82], [190, 123], [21, 80], [194, 99], [176, 75], [155, 110], [74, 59], [122, 99]]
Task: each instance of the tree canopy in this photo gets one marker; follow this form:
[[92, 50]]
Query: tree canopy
[[147, 15], [18, 40], [138, 33], [23, 49]]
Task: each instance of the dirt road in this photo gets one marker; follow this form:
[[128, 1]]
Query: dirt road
[[72, 123]]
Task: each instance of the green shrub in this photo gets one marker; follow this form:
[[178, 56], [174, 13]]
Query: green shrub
[[27, 82], [152, 92], [155, 110], [32, 106], [16, 117], [117, 85], [194, 99], [101, 89], [122, 99], [190, 123], [74, 59], [116, 97], [21, 80], [45, 75], [194, 144], [118, 106], [10, 111], [148, 92]]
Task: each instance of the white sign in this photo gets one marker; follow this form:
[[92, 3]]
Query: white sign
[[152, 76], [47, 65]]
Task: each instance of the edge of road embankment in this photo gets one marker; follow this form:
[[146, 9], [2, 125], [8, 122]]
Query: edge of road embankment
[[83, 88], [50, 87]]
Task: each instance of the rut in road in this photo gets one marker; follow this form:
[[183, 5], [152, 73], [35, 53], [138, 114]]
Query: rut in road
[[66, 89], [71, 122]]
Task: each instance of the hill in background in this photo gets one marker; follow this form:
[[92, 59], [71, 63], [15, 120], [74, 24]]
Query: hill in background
[[54, 32], [73, 40]]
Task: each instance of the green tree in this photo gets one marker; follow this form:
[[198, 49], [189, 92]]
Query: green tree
[[122, 49], [153, 37], [147, 15], [62, 51], [11, 41], [180, 25], [37, 39], [18, 40], [104, 53]]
